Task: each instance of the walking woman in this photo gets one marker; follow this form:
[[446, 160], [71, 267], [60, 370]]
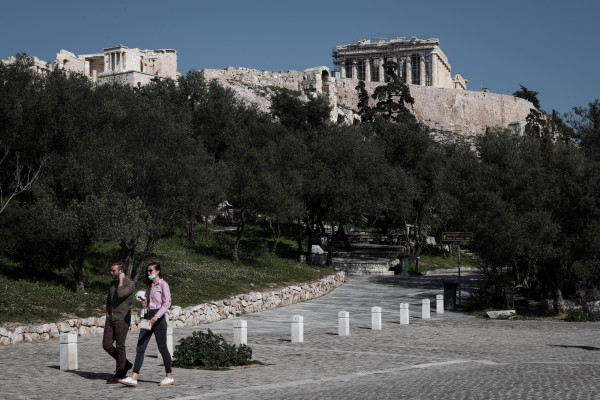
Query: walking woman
[[158, 301]]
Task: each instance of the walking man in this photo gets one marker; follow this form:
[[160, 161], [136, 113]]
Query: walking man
[[118, 318]]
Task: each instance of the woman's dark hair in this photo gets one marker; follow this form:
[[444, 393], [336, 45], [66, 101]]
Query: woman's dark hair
[[156, 267]]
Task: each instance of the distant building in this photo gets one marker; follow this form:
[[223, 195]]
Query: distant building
[[39, 66], [421, 62], [121, 64]]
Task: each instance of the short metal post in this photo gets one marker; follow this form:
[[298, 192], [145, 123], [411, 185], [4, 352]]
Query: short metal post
[[297, 329], [439, 304], [425, 312], [343, 323], [376, 318], [404, 314], [68, 351], [170, 339], [240, 332]]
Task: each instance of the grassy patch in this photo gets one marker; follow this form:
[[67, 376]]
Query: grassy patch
[[196, 274], [436, 260], [36, 302]]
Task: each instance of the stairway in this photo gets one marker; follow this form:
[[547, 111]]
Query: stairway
[[370, 254]]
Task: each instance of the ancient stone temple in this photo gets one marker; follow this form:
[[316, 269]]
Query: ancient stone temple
[[121, 64], [421, 62]]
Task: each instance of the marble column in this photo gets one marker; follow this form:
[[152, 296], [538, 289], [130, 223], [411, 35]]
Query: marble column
[[422, 79], [408, 62], [354, 69], [381, 70], [367, 70], [434, 70]]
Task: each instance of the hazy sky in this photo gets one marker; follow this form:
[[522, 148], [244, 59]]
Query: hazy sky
[[549, 46]]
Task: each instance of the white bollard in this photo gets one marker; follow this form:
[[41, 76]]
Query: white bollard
[[404, 314], [425, 311], [439, 304], [68, 351], [170, 339], [344, 323], [297, 329], [169, 343], [240, 332], [376, 318]]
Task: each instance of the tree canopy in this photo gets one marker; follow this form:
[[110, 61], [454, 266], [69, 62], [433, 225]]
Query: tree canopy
[[84, 164]]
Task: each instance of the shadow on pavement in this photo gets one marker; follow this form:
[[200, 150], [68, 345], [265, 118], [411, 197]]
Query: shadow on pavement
[[91, 375], [576, 347]]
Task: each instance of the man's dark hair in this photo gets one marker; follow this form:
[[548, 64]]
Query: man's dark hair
[[120, 265]]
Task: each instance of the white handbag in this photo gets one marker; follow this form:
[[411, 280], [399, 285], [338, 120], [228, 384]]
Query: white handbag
[[145, 324]]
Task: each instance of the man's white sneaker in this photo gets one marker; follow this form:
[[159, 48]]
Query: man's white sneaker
[[128, 381], [166, 382]]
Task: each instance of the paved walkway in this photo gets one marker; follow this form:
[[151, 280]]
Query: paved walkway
[[450, 356]]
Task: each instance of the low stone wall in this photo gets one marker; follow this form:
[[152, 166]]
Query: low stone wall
[[189, 316]]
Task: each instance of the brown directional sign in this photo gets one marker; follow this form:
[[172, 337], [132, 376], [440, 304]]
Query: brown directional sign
[[457, 236]]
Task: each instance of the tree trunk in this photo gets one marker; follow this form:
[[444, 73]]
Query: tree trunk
[[191, 230], [556, 282], [559, 305], [127, 254], [239, 231], [344, 237], [516, 276], [419, 239], [276, 233], [330, 246], [150, 244], [311, 236], [83, 247], [299, 238], [406, 235]]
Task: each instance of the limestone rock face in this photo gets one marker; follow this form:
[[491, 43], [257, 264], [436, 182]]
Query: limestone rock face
[[465, 112]]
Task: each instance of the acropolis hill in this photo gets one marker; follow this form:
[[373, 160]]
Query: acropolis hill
[[442, 101]]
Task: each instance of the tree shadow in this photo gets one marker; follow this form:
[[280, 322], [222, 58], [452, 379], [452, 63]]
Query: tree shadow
[[424, 282], [564, 346]]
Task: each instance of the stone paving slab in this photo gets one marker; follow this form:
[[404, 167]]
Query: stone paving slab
[[451, 356]]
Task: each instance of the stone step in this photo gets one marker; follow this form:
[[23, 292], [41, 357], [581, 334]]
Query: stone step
[[367, 270], [370, 254], [387, 255]]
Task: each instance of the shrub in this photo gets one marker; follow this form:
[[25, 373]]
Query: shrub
[[582, 316], [210, 351]]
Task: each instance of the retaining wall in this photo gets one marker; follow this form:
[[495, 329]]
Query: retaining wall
[[188, 316]]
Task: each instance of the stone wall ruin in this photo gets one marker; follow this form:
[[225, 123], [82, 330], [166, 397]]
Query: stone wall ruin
[[121, 64]]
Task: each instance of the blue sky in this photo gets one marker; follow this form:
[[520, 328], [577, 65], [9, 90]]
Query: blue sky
[[549, 46]]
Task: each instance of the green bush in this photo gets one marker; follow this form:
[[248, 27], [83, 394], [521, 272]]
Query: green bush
[[210, 351], [582, 316]]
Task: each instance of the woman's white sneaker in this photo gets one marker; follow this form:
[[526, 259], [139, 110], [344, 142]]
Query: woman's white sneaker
[[166, 382], [128, 381]]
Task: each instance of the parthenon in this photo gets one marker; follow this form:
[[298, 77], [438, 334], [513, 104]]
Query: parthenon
[[420, 62]]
